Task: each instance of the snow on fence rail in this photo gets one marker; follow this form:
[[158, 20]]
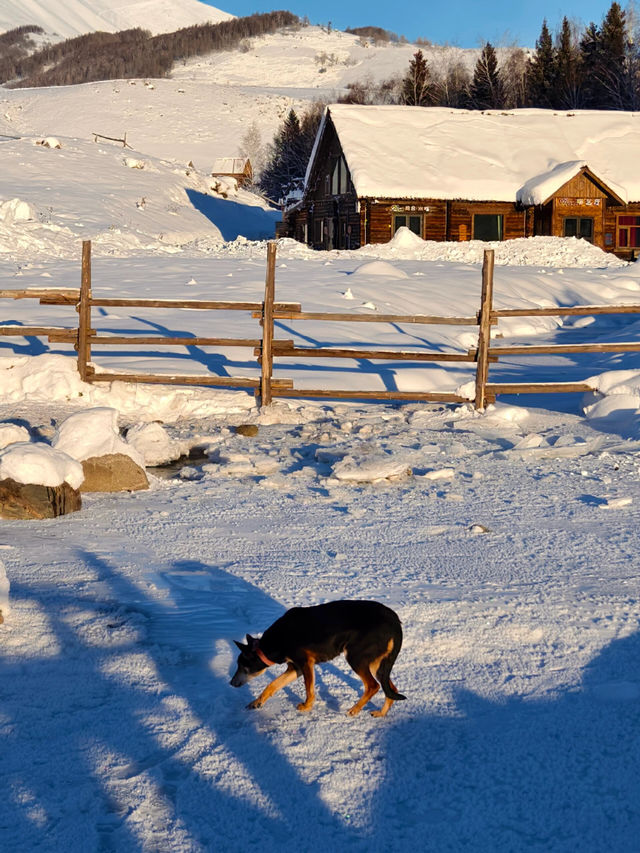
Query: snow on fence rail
[[266, 348]]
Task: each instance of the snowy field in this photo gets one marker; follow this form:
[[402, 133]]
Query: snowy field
[[506, 541]]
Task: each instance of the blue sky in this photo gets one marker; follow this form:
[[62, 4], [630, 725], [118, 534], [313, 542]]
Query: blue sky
[[466, 23]]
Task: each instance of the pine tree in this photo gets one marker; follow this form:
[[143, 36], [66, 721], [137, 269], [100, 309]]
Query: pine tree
[[589, 62], [417, 86], [567, 86], [486, 91], [612, 71], [285, 169], [606, 55], [288, 155], [541, 72]]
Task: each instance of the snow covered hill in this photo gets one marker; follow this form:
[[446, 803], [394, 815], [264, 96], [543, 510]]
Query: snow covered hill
[[68, 18]]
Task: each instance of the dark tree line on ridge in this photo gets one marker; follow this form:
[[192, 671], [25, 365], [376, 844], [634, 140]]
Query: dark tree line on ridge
[[596, 69], [126, 54]]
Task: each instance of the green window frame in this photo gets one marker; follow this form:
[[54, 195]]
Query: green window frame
[[488, 227]]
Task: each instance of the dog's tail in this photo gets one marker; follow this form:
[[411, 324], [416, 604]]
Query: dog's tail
[[384, 671]]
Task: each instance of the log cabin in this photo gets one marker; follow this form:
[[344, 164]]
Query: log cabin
[[459, 175]]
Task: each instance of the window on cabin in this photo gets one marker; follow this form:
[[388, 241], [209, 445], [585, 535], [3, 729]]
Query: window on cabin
[[413, 223], [339, 180], [629, 232], [579, 226], [488, 226]]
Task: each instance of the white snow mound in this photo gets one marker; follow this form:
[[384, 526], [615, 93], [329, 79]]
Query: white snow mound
[[93, 432], [39, 464]]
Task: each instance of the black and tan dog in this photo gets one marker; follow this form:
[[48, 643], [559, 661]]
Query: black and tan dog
[[369, 634]]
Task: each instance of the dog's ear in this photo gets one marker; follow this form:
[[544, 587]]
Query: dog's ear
[[241, 646]]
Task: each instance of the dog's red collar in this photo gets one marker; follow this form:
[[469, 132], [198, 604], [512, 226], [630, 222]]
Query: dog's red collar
[[263, 657]]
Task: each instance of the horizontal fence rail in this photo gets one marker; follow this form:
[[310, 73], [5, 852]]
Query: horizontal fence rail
[[267, 349]]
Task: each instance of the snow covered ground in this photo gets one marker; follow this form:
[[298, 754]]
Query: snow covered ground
[[507, 541]]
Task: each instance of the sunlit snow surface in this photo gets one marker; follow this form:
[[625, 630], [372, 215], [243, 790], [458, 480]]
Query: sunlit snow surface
[[507, 541]]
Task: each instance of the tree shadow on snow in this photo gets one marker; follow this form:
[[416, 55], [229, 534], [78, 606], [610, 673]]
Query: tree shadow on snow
[[98, 760], [235, 220], [555, 775]]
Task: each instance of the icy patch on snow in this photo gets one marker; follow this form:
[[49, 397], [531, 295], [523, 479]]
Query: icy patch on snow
[[39, 464]]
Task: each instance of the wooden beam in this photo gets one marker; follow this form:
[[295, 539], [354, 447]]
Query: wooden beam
[[150, 340], [47, 295], [33, 331], [266, 355], [375, 355], [563, 349], [84, 313], [174, 379], [190, 304], [484, 333], [537, 387], [424, 396], [567, 311], [406, 319]]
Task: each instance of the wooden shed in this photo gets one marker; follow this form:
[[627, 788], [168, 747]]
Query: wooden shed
[[461, 175], [233, 167]]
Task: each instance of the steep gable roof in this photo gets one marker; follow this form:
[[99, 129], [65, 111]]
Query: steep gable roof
[[522, 155]]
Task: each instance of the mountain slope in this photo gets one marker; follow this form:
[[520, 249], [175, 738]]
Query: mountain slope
[[67, 18]]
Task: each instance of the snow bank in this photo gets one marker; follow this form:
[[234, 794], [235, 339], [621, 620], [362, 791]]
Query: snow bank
[[93, 433], [524, 251], [15, 210], [54, 379], [39, 464], [381, 268]]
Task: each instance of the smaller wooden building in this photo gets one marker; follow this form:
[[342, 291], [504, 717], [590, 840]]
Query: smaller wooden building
[[233, 167], [459, 175]]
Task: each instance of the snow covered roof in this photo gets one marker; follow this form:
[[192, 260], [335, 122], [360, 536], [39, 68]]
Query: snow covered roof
[[522, 155], [229, 165]]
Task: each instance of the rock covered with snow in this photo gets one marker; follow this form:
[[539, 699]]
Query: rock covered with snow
[[12, 433], [370, 468], [38, 463], [93, 432]]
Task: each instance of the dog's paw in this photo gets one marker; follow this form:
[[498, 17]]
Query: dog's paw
[[353, 712], [253, 705], [305, 706]]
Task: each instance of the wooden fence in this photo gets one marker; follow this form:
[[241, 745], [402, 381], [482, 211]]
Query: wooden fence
[[267, 348]]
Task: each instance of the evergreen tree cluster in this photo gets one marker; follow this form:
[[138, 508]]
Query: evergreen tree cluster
[[596, 69], [130, 53], [288, 155]]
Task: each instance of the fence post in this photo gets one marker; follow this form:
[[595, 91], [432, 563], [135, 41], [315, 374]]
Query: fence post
[[84, 313], [484, 331], [267, 326]]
